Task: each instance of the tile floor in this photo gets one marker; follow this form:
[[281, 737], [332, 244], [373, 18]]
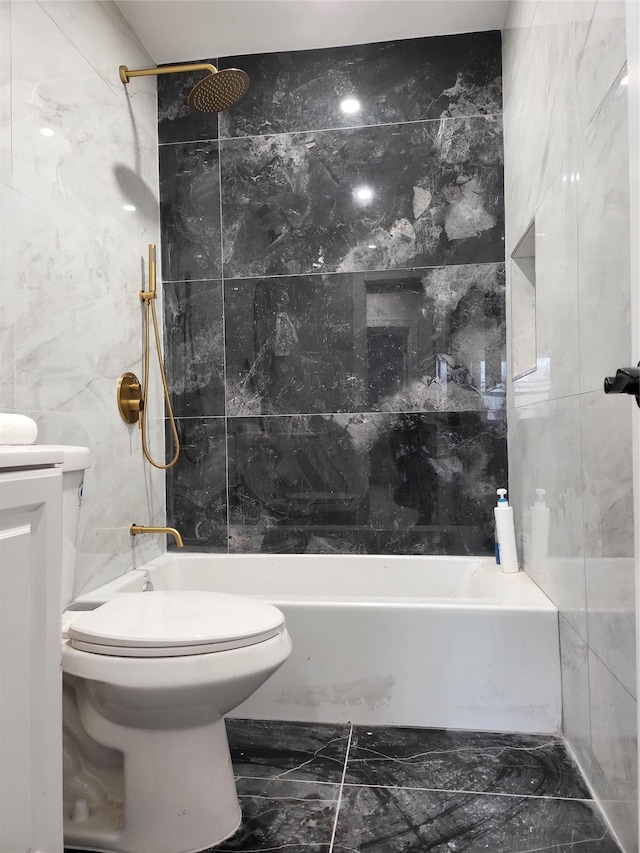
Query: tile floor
[[342, 789], [318, 788]]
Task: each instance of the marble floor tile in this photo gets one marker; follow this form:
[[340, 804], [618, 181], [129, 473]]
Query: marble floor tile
[[294, 816], [536, 765], [391, 197], [397, 341], [408, 80], [190, 211], [390, 820], [266, 749]]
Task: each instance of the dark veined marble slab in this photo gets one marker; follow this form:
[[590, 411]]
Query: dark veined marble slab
[[535, 765], [294, 816], [190, 211], [275, 749], [372, 198], [398, 341], [342, 483], [194, 347], [386, 82], [391, 820], [177, 122], [196, 485]]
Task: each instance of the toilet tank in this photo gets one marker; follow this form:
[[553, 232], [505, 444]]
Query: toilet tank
[[76, 461]]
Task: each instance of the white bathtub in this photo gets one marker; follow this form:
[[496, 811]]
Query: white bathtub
[[421, 641]]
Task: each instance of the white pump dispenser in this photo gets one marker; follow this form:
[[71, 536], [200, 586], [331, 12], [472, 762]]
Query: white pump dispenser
[[539, 532], [506, 554]]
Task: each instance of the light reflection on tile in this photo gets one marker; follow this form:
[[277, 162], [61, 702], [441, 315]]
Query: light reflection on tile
[[423, 340], [291, 202], [414, 79], [364, 483]]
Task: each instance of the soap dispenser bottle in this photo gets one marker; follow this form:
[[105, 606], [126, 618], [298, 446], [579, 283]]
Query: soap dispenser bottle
[[539, 531], [506, 554]]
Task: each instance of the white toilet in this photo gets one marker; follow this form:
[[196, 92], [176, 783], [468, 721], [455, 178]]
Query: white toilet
[[148, 677]]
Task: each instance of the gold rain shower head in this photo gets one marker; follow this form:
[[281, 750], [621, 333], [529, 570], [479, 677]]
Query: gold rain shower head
[[217, 91]]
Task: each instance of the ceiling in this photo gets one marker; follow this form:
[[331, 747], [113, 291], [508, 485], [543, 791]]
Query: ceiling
[[183, 30]]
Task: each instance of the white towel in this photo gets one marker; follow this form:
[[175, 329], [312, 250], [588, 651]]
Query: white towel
[[17, 429]]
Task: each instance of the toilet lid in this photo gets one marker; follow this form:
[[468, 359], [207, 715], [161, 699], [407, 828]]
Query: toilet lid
[[172, 623]]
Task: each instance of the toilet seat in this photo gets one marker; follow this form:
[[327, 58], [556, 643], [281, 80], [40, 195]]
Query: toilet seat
[[174, 623]]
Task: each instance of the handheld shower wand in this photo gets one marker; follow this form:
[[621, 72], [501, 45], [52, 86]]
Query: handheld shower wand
[[132, 396], [148, 299]]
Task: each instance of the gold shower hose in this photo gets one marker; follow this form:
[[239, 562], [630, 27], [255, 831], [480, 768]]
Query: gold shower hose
[[149, 300]]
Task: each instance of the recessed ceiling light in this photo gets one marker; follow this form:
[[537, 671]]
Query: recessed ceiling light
[[46, 131], [129, 207]]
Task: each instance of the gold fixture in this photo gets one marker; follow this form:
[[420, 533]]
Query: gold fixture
[[129, 398], [145, 295], [217, 91], [132, 396], [135, 529], [148, 299]]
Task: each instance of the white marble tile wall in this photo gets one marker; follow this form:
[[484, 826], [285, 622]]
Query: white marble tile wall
[[566, 159], [77, 146]]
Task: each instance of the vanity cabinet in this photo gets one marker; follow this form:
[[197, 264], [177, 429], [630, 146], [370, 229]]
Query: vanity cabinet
[[30, 659]]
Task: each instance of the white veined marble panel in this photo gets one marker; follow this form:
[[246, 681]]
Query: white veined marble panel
[[544, 453], [601, 51], [540, 112], [609, 524], [576, 714], [5, 90], [7, 369], [117, 45], [603, 242], [614, 747], [120, 489], [94, 157], [75, 309], [557, 291]]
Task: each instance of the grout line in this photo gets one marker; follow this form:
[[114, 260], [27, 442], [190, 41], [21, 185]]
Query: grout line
[[592, 799], [326, 273], [481, 411], [344, 773], [473, 793], [224, 355], [334, 129], [287, 779]]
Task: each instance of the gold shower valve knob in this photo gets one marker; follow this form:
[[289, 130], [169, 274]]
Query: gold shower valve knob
[[130, 402]]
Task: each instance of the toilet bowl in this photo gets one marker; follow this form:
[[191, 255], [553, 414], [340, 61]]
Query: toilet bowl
[[147, 679]]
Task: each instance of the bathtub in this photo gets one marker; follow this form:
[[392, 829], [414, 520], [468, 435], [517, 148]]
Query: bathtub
[[446, 642]]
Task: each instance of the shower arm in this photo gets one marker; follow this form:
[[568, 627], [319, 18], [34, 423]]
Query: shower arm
[[126, 74]]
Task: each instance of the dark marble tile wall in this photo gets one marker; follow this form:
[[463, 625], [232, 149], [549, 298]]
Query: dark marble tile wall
[[334, 300]]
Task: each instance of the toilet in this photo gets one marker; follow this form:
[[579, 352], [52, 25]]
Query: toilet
[[147, 679]]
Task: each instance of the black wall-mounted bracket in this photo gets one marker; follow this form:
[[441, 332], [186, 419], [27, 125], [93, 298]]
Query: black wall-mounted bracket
[[626, 381]]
